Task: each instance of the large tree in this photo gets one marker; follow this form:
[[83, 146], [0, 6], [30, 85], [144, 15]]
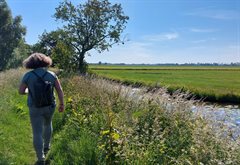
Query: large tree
[[11, 33], [96, 24]]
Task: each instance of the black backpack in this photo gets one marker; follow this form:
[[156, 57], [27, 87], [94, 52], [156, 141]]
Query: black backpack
[[43, 92]]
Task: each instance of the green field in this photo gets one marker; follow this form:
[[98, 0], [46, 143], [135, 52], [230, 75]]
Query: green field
[[215, 83]]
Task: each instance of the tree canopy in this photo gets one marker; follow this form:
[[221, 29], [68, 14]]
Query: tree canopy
[[48, 41], [96, 24], [11, 34], [54, 44]]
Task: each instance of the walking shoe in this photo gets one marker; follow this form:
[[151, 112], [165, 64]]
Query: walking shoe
[[40, 162], [45, 150]]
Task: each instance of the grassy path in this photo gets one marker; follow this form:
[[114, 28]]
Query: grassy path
[[15, 130]]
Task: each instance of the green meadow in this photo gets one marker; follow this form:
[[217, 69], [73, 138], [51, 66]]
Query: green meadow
[[213, 83]]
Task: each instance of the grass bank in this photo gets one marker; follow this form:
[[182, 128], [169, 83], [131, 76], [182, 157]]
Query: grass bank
[[214, 84], [105, 124], [15, 130]]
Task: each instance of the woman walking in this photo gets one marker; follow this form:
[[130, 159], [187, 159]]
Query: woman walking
[[39, 84]]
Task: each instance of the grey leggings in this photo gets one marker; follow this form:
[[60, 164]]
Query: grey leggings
[[41, 121]]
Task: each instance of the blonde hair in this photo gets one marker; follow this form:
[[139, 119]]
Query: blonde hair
[[37, 60]]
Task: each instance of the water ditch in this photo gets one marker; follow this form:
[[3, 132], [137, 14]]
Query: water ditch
[[227, 116]]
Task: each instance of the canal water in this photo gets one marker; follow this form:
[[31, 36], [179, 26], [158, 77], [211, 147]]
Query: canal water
[[229, 115]]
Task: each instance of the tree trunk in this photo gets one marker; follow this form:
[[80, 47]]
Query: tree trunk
[[81, 64]]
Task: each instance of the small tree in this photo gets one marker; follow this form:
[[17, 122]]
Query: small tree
[[11, 34], [19, 54], [49, 41], [97, 24], [62, 57], [54, 44]]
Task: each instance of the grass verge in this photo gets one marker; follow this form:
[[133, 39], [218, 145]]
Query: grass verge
[[108, 124], [15, 131]]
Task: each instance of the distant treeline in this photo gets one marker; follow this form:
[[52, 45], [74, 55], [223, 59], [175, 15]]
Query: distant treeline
[[173, 64]]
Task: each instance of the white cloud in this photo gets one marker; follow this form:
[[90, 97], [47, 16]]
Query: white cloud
[[198, 41], [199, 30], [153, 53], [131, 52], [203, 40], [197, 47], [237, 47], [216, 14], [141, 45], [138, 53], [162, 37]]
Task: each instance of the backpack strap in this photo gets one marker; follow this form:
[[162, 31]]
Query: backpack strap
[[41, 77]]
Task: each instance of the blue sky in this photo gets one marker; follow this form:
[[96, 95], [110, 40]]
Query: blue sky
[[158, 31]]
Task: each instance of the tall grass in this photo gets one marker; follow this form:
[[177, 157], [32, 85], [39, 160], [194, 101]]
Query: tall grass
[[106, 123]]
